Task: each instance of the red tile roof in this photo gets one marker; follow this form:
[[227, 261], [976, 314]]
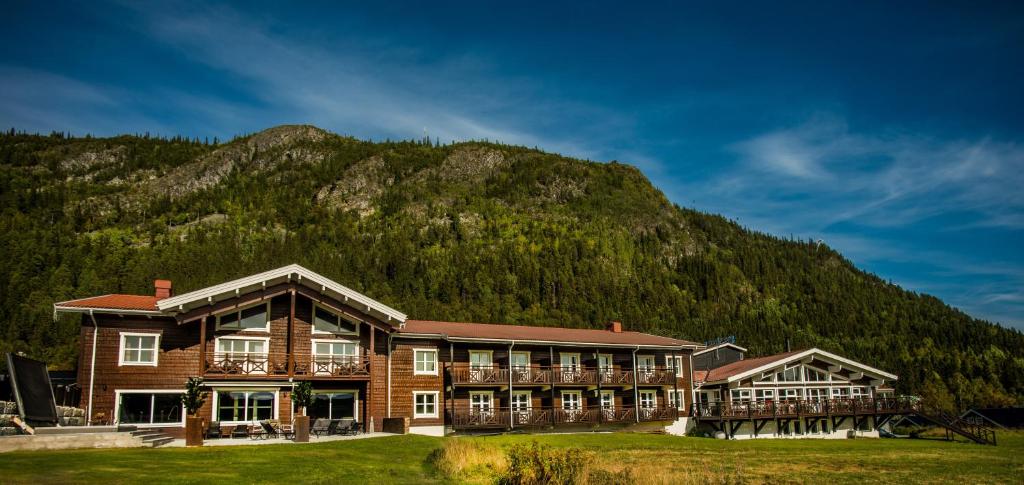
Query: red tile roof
[[114, 302], [544, 334], [740, 366]]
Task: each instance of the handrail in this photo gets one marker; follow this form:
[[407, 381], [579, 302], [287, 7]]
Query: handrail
[[466, 373], [462, 417], [770, 408], [236, 364]]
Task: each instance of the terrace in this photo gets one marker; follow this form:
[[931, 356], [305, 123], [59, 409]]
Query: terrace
[[525, 375], [262, 365], [505, 418]]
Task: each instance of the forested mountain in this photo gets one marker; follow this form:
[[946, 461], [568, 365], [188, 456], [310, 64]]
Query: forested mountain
[[471, 231]]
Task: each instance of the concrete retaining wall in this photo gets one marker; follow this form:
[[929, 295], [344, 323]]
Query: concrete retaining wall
[[69, 441]]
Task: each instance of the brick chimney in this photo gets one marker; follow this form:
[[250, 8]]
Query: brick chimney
[[163, 288], [614, 326]]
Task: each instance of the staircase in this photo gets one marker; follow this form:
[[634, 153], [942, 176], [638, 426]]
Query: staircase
[[152, 438], [977, 433]]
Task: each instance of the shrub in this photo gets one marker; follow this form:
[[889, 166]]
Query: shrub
[[542, 465], [463, 458]]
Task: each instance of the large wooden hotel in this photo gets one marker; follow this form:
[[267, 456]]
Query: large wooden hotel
[[254, 338]]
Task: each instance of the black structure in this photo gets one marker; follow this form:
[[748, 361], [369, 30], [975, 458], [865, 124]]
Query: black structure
[[30, 382]]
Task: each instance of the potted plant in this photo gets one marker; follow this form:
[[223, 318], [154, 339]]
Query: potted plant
[[193, 400], [302, 396]]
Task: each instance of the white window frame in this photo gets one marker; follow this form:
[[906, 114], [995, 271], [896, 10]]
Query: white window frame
[[529, 401], [678, 366], [611, 363], [156, 350], [312, 322], [490, 359], [216, 402], [416, 361], [676, 398], [519, 367], [654, 400], [490, 400], [740, 399], [611, 400], [579, 400], [355, 403], [642, 363], [435, 404], [265, 329], [117, 406], [265, 340], [572, 367]]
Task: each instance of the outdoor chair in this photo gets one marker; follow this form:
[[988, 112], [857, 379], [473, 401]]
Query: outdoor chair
[[213, 430], [269, 430], [282, 431], [343, 426], [240, 431], [353, 428], [320, 426]]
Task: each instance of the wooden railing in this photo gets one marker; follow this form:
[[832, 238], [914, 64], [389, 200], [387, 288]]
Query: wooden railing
[[547, 416], [801, 407], [262, 364], [464, 373]]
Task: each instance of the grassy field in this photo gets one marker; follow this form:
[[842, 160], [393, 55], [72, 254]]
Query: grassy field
[[653, 459]]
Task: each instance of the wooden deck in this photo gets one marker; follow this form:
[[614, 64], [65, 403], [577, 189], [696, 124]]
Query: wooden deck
[[504, 418], [224, 365], [755, 410], [463, 374]]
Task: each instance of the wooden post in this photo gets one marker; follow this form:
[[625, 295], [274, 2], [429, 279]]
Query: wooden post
[[676, 364], [511, 419], [636, 390], [600, 397], [202, 346], [551, 369], [369, 385], [290, 347]]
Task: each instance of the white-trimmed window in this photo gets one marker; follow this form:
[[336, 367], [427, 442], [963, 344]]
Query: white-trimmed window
[[675, 399], [520, 360], [239, 348], [157, 407], [605, 363], [481, 401], [139, 348], [608, 400], [334, 404], [815, 394], [572, 400], [789, 374], [813, 375], [327, 321], [789, 394], [675, 363], [764, 394], [424, 404], [740, 395], [648, 399], [645, 363], [239, 406], [481, 359], [570, 361], [254, 318], [425, 362], [840, 392], [332, 355], [521, 400]]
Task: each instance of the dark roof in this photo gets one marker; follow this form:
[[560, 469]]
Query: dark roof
[[544, 334], [740, 366], [114, 302]]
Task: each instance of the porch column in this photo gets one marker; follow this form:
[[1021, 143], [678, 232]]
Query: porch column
[[290, 346], [202, 346], [369, 385]]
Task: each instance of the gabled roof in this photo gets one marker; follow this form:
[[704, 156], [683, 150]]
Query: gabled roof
[[525, 334], [116, 303], [748, 367], [715, 347], [292, 272]]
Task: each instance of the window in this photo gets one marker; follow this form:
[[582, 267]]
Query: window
[[139, 348], [791, 374], [571, 400], [425, 404], [521, 400], [604, 362], [814, 375], [480, 359], [739, 395], [425, 361], [335, 356], [326, 321], [245, 406], [676, 364], [860, 392], [764, 394], [334, 405], [648, 400], [608, 400], [240, 348], [675, 399], [155, 407], [817, 394], [840, 392], [520, 360], [252, 318], [480, 402], [570, 362], [789, 394], [645, 363]]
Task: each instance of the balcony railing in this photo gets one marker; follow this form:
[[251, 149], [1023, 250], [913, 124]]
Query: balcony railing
[[801, 407], [263, 364], [463, 373], [557, 416]]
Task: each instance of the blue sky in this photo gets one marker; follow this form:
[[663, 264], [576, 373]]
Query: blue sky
[[892, 131]]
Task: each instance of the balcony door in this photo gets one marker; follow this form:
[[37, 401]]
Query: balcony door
[[521, 406], [648, 399], [335, 357], [520, 366], [242, 356], [481, 366], [605, 366], [570, 367], [572, 406], [481, 406]]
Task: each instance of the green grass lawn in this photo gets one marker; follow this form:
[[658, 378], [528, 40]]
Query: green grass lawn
[[405, 459]]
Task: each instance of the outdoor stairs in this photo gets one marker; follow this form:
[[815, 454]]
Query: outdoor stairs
[[152, 438], [977, 433]]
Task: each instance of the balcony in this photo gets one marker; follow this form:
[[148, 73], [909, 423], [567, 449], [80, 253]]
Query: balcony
[[494, 375], [467, 419], [235, 365], [795, 408]]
